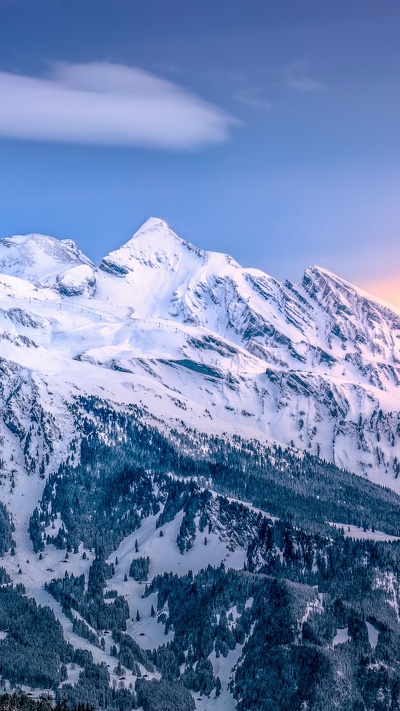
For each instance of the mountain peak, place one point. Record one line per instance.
(38, 257)
(318, 279)
(153, 224)
(156, 231)
(314, 271)
(153, 244)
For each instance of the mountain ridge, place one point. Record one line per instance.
(189, 459)
(160, 228)
(313, 365)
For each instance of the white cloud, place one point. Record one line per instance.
(297, 78)
(109, 104)
(294, 76)
(253, 96)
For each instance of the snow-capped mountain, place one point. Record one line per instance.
(162, 417)
(196, 338)
(38, 258)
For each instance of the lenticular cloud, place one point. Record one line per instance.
(110, 104)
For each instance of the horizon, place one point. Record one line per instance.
(269, 133)
(391, 289)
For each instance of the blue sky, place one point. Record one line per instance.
(267, 129)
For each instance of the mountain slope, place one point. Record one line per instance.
(174, 420)
(193, 335)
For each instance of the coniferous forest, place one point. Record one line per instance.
(309, 621)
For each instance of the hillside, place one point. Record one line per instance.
(198, 481)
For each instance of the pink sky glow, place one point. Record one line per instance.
(386, 289)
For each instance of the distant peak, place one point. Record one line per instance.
(154, 222)
(153, 244)
(314, 269)
(38, 258)
(154, 231)
(319, 275)
(320, 283)
(155, 226)
(46, 243)
(25, 239)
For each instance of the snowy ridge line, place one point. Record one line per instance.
(192, 337)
